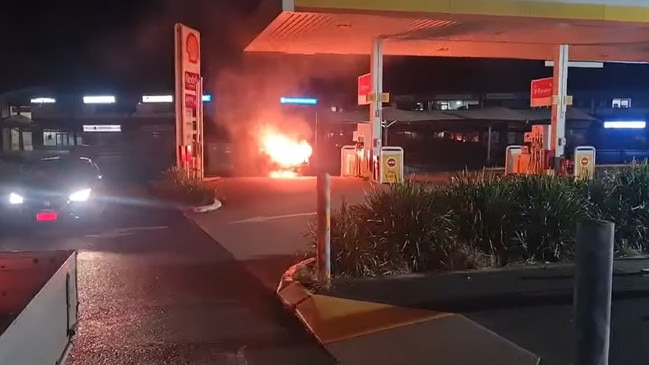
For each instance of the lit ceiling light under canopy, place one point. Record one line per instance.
(100, 99)
(157, 98)
(625, 124)
(102, 128)
(43, 101)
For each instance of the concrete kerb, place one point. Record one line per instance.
(215, 205)
(341, 324)
(290, 291)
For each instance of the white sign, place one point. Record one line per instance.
(102, 128)
(157, 98)
(102, 99)
(43, 101)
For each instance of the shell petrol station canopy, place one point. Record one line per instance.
(596, 30)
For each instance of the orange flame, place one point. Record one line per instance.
(283, 174)
(285, 151)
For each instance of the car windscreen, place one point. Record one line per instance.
(61, 168)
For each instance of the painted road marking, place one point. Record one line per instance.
(121, 232)
(265, 219)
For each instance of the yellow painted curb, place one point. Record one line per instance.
(333, 319)
(293, 294)
(337, 323)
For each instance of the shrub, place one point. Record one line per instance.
(548, 209)
(355, 252)
(622, 196)
(409, 221)
(406, 228)
(479, 220)
(517, 219)
(176, 185)
(480, 206)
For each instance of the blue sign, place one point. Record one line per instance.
(301, 101)
(207, 98)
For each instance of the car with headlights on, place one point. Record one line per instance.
(63, 188)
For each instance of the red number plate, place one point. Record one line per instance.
(46, 216)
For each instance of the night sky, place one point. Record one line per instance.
(126, 46)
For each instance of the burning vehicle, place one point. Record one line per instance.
(284, 155)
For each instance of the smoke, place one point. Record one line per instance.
(248, 95)
(246, 87)
(141, 51)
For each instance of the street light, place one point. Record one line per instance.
(305, 101)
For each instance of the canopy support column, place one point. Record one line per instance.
(376, 106)
(559, 103)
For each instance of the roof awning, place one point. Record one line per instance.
(459, 28)
(394, 114)
(544, 114)
(343, 117)
(17, 121)
(495, 114)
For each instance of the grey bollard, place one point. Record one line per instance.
(593, 287)
(323, 251)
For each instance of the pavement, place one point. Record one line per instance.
(501, 317)
(263, 221)
(531, 307)
(155, 289)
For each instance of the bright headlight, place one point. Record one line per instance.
(80, 196)
(15, 199)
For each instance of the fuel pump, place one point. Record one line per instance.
(360, 152)
(536, 157)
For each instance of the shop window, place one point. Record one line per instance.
(622, 103)
(53, 138)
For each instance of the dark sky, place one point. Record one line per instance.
(127, 45)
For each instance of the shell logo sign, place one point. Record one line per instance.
(192, 47)
(189, 109)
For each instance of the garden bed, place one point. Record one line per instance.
(176, 186)
(479, 220)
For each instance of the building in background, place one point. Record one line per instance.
(450, 131)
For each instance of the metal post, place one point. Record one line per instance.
(593, 285)
(386, 131)
(385, 135)
(376, 106)
(316, 146)
(489, 146)
(560, 93)
(178, 104)
(324, 229)
(200, 141)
